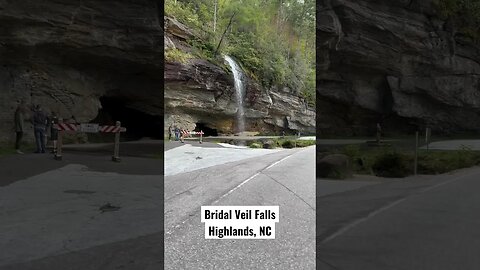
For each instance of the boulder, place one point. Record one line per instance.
(269, 144)
(335, 166)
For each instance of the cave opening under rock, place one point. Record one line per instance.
(139, 124)
(208, 131)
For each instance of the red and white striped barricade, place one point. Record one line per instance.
(186, 133)
(67, 127)
(88, 128)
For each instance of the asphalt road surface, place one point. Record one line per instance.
(454, 145)
(53, 214)
(284, 178)
(424, 223)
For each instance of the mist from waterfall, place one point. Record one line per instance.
(239, 91)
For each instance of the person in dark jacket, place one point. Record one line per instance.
(40, 122)
(177, 133)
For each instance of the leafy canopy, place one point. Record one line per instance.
(465, 15)
(274, 40)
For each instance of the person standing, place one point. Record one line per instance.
(19, 125)
(170, 131)
(177, 133)
(53, 121)
(39, 127)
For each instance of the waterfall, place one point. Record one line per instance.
(239, 90)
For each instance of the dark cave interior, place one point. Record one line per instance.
(139, 124)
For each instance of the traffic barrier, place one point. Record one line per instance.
(66, 127)
(88, 128)
(189, 133)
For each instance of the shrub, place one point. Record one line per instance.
(336, 166)
(288, 144)
(269, 144)
(183, 12)
(305, 143)
(391, 164)
(176, 55)
(255, 145)
(437, 162)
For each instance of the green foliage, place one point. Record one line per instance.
(183, 12)
(390, 162)
(465, 15)
(203, 49)
(305, 143)
(273, 40)
(255, 145)
(175, 55)
(288, 144)
(436, 162)
(6, 149)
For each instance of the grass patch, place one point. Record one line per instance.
(6, 150)
(9, 149)
(437, 162)
(176, 55)
(305, 143)
(395, 162)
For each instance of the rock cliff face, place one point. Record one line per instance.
(201, 94)
(69, 55)
(393, 62)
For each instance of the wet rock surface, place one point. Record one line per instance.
(199, 91)
(394, 63)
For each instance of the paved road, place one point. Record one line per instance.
(188, 158)
(18, 167)
(289, 183)
(174, 144)
(141, 148)
(426, 222)
(454, 145)
(51, 217)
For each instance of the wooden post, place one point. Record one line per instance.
(116, 148)
(416, 154)
(427, 137)
(58, 154)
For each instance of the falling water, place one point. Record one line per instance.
(238, 76)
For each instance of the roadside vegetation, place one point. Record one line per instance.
(393, 162)
(9, 149)
(273, 40)
(280, 143)
(6, 149)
